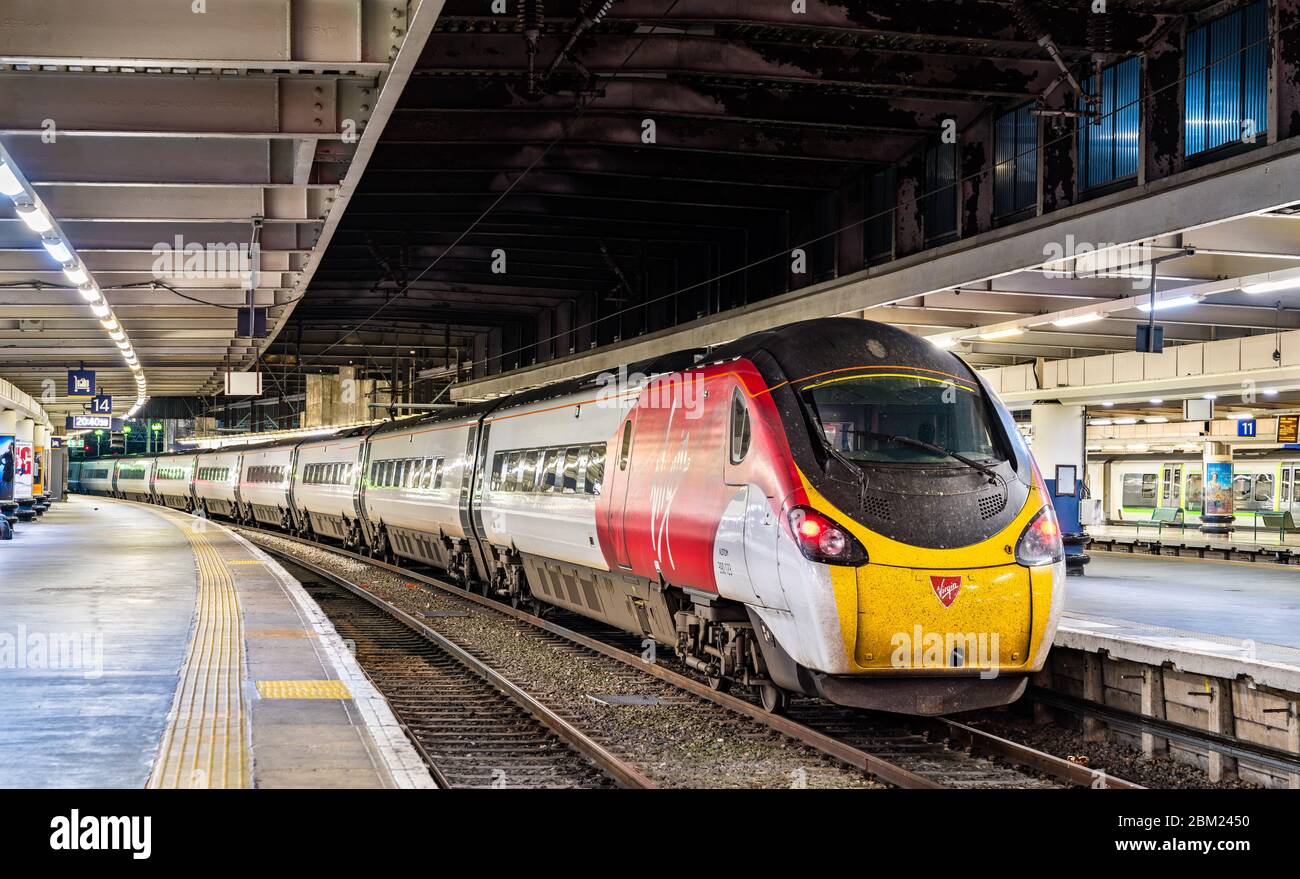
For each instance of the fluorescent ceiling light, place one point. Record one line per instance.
(89, 292)
(1002, 334)
(1108, 404)
(1176, 302)
(1155, 401)
(10, 185)
(110, 324)
(99, 309)
(1126, 421)
(1270, 392)
(1240, 416)
(1273, 285)
(36, 220)
(76, 274)
(116, 335)
(943, 343)
(1156, 419)
(1100, 422)
(57, 249)
(1076, 319)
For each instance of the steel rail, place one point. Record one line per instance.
(971, 737)
(621, 771)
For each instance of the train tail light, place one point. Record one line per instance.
(1040, 544)
(820, 539)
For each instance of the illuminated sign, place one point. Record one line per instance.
(1288, 429)
(88, 422)
(81, 383)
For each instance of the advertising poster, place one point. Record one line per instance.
(1218, 488)
(24, 469)
(7, 464)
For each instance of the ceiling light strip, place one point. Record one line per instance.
(38, 218)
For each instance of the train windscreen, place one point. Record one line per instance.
(902, 418)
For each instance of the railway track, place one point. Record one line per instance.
(472, 727)
(925, 753)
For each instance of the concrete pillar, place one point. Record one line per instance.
(1059, 443)
(1216, 482)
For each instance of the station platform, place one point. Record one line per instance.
(144, 647)
(1242, 539)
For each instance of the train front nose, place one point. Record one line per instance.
(917, 619)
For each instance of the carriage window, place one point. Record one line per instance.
(432, 466)
(1194, 492)
(548, 470)
(511, 482)
(596, 467)
(1140, 490)
(569, 471)
(626, 449)
(1241, 488)
(415, 473)
(528, 471)
(1286, 485)
(739, 428)
(1264, 488)
(498, 466)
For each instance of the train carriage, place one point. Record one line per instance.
(1133, 486)
(325, 485)
(96, 476)
(216, 482)
(173, 480)
(265, 472)
(415, 493)
(134, 478)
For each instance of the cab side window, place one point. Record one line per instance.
(740, 430)
(625, 449)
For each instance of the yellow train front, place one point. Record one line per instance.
(919, 555)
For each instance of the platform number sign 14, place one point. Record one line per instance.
(102, 405)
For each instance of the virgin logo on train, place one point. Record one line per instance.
(946, 588)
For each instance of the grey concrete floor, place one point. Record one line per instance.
(119, 583)
(1254, 601)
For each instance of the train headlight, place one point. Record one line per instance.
(1040, 544)
(821, 539)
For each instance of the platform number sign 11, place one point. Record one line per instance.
(102, 405)
(1246, 427)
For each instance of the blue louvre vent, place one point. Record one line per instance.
(1108, 144)
(1226, 96)
(1015, 157)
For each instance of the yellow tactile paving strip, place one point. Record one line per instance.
(205, 744)
(303, 690)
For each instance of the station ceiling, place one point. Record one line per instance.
(524, 133)
(521, 133)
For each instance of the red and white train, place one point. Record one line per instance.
(833, 508)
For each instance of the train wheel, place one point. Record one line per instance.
(719, 683)
(775, 700)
